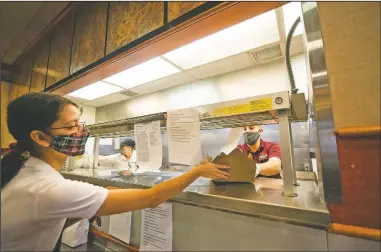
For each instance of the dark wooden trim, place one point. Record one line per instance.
(194, 12)
(110, 238)
(71, 48)
(47, 64)
(31, 71)
(107, 18)
(165, 12)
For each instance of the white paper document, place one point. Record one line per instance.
(156, 232)
(120, 226)
(149, 147)
(117, 143)
(184, 141)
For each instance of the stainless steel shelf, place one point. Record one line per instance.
(126, 127)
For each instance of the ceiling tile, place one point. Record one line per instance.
(164, 83)
(105, 100)
(229, 64)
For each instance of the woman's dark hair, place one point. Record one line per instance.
(33, 111)
(127, 142)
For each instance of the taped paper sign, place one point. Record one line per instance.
(252, 106)
(261, 105)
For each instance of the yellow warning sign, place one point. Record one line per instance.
(261, 105)
(231, 110)
(252, 106)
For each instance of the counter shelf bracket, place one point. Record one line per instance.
(96, 152)
(289, 174)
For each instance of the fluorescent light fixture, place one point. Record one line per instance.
(252, 33)
(291, 12)
(148, 71)
(96, 90)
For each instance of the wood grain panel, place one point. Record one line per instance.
(89, 35)
(23, 70)
(351, 36)
(130, 20)
(6, 137)
(40, 64)
(122, 27)
(13, 89)
(59, 59)
(176, 9)
(22, 90)
(150, 16)
(360, 167)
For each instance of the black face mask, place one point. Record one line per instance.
(251, 137)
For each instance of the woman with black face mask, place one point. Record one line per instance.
(36, 200)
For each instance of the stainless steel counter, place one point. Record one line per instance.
(261, 199)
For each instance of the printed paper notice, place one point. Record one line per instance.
(156, 232)
(120, 226)
(149, 147)
(184, 141)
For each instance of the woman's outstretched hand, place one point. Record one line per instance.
(213, 171)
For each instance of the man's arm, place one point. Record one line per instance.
(274, 164)
(271, 167)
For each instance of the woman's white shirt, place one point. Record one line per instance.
(36, 203)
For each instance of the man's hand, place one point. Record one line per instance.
(125, 173)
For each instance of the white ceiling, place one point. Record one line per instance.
(21, 23)
(259, 36)
(219, 67)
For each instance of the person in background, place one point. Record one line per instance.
(126, 152)
(36, 200)
(266, 154)
(124, 161)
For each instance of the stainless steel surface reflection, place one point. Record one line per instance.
(327, 157)
(261, 199)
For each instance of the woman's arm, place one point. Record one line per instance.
(126, 200)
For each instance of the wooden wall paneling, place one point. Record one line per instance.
(178, 8)
(40, 64)
(122, 27)
(351, 36)
(6, 137)
(23, 70)
(60, 51)
(360, 168)
(129, 21)
(22, 90)
(150, 16)
(89, 35)
(12, 94)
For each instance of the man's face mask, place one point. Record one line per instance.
(72, 145)
(251, 137)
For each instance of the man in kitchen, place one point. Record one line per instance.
(266, 154)
(124, 161)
